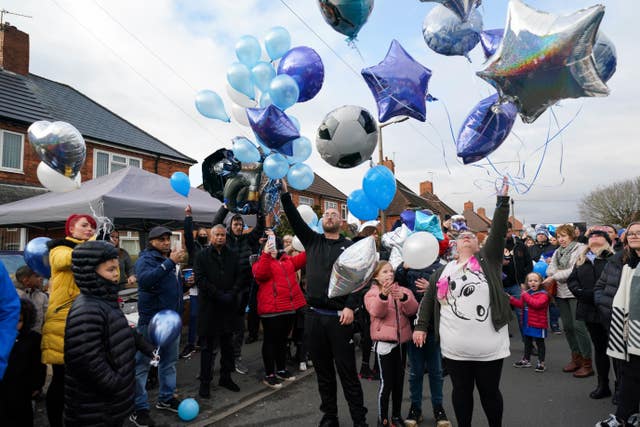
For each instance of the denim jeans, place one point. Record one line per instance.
(554, 316)
(515, 291)
(166, 372)
(193, 319)
(428, 354)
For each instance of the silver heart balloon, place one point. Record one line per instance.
(353, 268)
(59, 145)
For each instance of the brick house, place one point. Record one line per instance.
(479, 222)
(322, 195)
(112, 142)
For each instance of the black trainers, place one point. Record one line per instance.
(205, 390)
(187, 352)
(540, 368)
(141, 418)
(397, 422)
(610, 421)
(170, 405)
(241, 368)
(441, 417)
(285, 375)
(365, 372)
(329, 421)
(414, 417)
(229, 384)
(272, 381)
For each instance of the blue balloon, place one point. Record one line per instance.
(273, 127)
(164, 327)
(36, 255)
(490, 41)
(552, 230)
(295, 121)
(244, 150)
(275, 166)
(263, 146)
(239, 77)
(262, 73)
(346, 16)
(277, 42)
(265, 100)
(399, 85)
(301, 148)
(605, 57)
(445, 33)
(429, 223)
(485, 129)
(300, 176)
(540, 267)
(360, 206)
(188, 409)
(180, 183)
(248, 51)
(305, 66)
(284, 91)
(379, 185)
(209, 104)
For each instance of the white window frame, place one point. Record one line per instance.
(2, 168)
(304, 200)
(344, 211)
(111, 154)
(330, 204)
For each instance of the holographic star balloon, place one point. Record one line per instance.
(462, 8)
(544, 58)
(399, 84)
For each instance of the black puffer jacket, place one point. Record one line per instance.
(582, 283)
(607, 286)
(99, 350)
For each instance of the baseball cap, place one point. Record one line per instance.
(158, 231)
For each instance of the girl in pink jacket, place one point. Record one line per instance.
(390, 307)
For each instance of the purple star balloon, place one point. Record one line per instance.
(490, 41)
(399, 84)
(274, 128)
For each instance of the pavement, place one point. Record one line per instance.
(552, 398)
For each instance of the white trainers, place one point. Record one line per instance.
(611, 421)
(303, 366)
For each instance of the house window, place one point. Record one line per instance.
(343, 210)
(106, 163)
(330, 205)
(302, 200)
(11, 145)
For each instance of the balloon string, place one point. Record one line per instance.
(351, 42)
(105, 225)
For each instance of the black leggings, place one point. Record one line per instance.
(629, 393)
(55, 396)
(528, 346)
(600, 339)
(274, 345)
(466, 374)
(391, 381)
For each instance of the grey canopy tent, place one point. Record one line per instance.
(132, 198)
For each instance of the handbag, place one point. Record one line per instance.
(552, 288)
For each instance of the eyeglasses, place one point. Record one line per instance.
(634, 234)
(331, 215)
(469, 236)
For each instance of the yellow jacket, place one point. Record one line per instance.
(63, 291)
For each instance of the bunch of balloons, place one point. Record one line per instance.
(62, 150)
(377, 193)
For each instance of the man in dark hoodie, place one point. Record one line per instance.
(328, 324)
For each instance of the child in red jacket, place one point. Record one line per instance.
(391, 307)
(535, 304)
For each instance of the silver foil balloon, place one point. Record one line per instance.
(462, 8)
(353, 268)
(544, 58)
(447, 34)
(59, 145)
(164, 327)
(395, 238)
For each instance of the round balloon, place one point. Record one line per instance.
(379, 185)
(301, 148)
(297, 244)
(295, 122)
(244, 150)
(360, 206)
(284, 91)
(420, 250)
(275, 166)
(248, 50)
(36, 255)
(277, 42)
(265, 100)
(239, 77)
(308, 214)
(188, 409)
(347, 136)
(262, 73)
(210, 105)
(180, 183)
(300, 176)
(164, 327)
(346, 16)
(239, 114)
(540, 267)
(239, 98)
(445, 33)
(305, 66)
(59, 145)
(56, 182)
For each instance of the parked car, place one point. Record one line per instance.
(12, 260)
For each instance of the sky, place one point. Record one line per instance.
(146, 60)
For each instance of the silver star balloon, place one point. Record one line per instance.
(462, 8)
(544, 58)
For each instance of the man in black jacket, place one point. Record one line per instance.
(328, 324)
(217, 278)
(515, 267)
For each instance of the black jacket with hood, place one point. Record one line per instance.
(607, 285)
(582, 283)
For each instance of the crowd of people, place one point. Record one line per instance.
(448, 318)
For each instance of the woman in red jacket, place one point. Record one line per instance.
(279, 296)
(535, 304)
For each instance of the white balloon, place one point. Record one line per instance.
(54, 181)
(307, 214)
(239, 114)
(297, 244)
(240, 98)
(420, 250)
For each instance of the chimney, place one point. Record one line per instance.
(389, 164)
(426, 187)
(14, 50)
(482, 212)
(468, 206)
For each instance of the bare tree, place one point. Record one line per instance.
(617, 204)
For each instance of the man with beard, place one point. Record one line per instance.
(328, 323)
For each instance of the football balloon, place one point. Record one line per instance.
(347, 136)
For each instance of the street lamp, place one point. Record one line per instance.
(383, 217)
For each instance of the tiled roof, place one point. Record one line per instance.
(12, 193)
(475, 222)
(26, 99)
(405, 198)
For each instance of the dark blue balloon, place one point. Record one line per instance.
(346, 16)
(379, 185)
(272, 126)
(490, 41)
(605, 57)
(409, 218)
(360, 206)
(305, 66)
(399, 84)
(485, 129)
(164, 327)
(36, 255)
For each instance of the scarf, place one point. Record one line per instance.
(451, 269)
(624, 333)
(564, 255)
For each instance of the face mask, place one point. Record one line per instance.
(203, 240)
